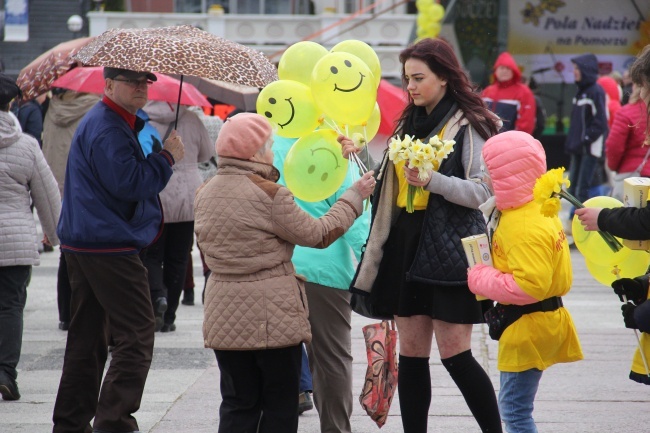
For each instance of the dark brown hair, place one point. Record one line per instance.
(439, 56)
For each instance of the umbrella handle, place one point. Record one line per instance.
(178, 104)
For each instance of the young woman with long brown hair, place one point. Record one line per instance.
(414, 267)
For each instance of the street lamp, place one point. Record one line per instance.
(75, 24)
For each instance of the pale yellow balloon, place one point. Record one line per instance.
(368, 129)
(299, 60)
(436, 12)
(434, 29)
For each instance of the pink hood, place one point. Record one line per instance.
(514, 161)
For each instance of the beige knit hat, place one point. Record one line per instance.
(242, 135)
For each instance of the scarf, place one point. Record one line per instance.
(421, 125)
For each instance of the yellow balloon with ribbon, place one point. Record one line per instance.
(290, 108)
(601, 261)
(299, 60)
(314, 167)
(344, 88)
(362, 51)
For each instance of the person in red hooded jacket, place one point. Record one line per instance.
(509, 98)
(613, 96)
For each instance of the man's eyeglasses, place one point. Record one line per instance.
(134, 83)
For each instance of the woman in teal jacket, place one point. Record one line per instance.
(328, 273)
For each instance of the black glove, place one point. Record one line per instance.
(628, 315)
(635, 289)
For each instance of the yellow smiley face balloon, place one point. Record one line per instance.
(344, 88)
(362, 51)
(290, 108)
(314, 168)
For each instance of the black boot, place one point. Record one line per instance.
(159, 308)
(188, 297)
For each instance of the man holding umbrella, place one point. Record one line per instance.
(110, 212)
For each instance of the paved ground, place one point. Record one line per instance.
(182, 392)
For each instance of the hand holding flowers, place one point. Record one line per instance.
(420, 159)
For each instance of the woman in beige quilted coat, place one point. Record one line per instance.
(255, 305)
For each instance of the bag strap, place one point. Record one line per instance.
(645, 159)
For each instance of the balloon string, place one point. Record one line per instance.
(365, 139)
(355, 157)
(617, 272)
(361, 165)
(332, 125)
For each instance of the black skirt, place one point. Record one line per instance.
(393, 294)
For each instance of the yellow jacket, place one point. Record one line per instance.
(531, 259)
(534, 250)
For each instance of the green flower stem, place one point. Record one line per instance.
(410, 193)
(571, 199)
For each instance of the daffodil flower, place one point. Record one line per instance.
(425, 157)
(549, 189)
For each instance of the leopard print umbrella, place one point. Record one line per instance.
(37, 77)
(181, 50)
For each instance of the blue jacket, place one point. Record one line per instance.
(335, 265)
(148, 136)
(110, 203)
(589, 113)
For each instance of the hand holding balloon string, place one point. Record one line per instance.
(356, 148)
(622, 286)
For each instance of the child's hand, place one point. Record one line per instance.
(588, 217)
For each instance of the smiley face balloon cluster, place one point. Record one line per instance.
(322, 90)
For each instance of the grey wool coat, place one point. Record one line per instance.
(24, 177)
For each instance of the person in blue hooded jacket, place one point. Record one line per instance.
(329, 273)
(110, 211)
(149, 137)
(585, 140)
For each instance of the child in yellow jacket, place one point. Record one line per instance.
(532, 271)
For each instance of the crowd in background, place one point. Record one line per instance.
(430, 299)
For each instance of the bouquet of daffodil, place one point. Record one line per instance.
(423, 156)
(549, 189)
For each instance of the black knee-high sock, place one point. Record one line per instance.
(414, 388)
(476, 387)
